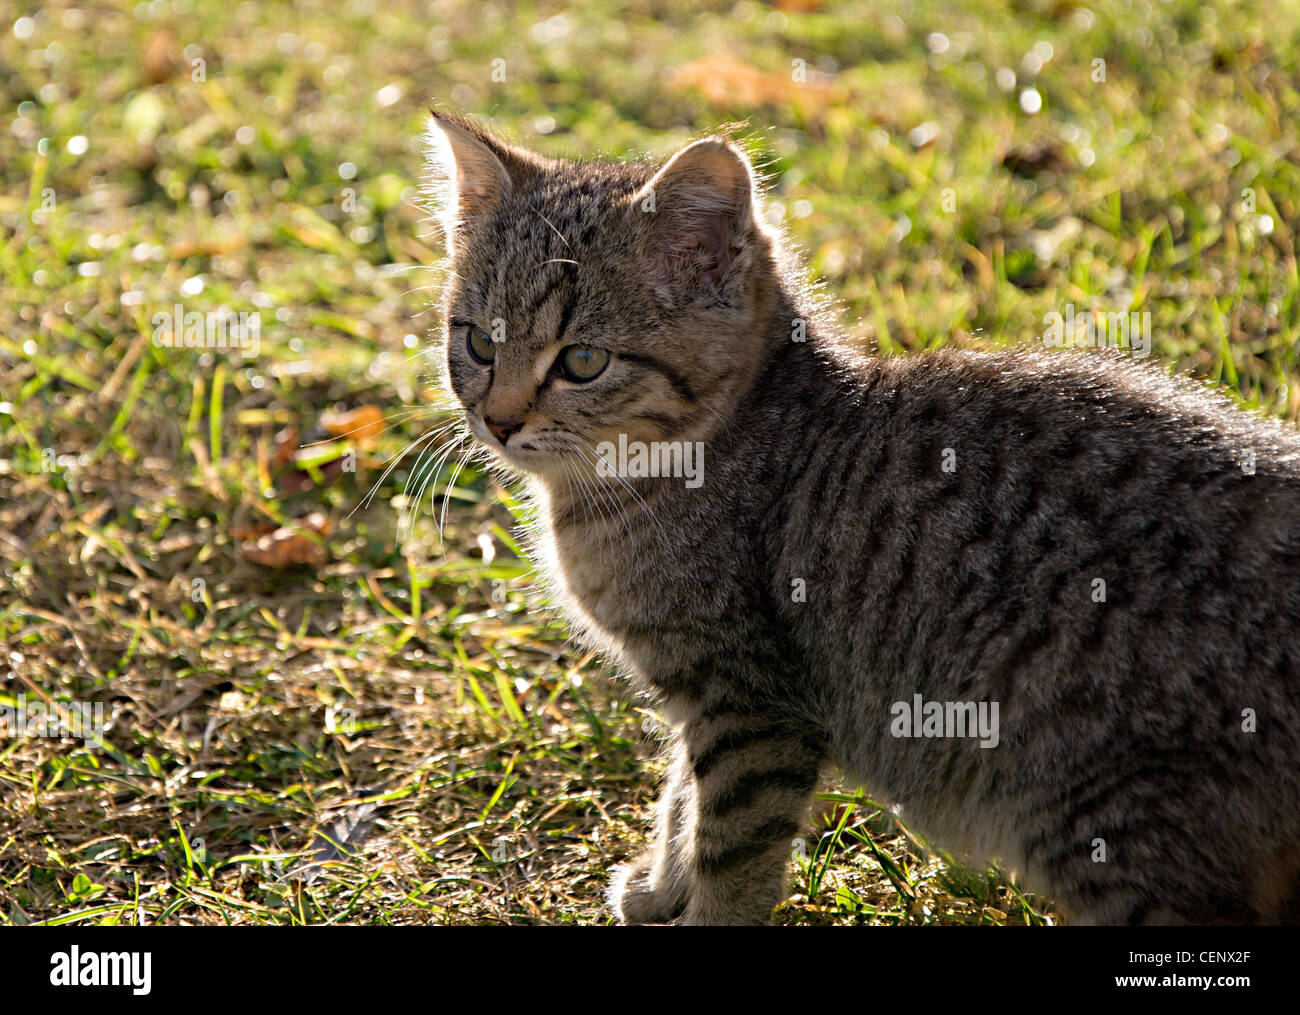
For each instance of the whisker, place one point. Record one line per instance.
(551, 224)
(406, 526)
(623, 481)
(446, 498)
(365, 501)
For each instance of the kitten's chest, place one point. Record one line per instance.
(642, 592)
(617, 585)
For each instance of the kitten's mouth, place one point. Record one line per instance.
(525, 455)
(518, 451)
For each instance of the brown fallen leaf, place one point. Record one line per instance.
(726, 81)
(160, 58)
(253, 532)
(362, 426)
(291, 545)
(217, 247)
(286, 443)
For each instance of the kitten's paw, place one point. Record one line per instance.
(635, 899)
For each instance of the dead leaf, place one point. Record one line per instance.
(218, 247)
(291, 545)
(286, 443)
(253, 532)
(726, 81)
(160, 58)
(362, 426)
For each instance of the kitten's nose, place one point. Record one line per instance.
(502, 428)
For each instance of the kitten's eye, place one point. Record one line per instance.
(480, 345)
(583, 362)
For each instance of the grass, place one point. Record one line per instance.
(398, 731)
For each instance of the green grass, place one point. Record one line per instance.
(402, 733)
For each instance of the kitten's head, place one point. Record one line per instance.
(589, 300)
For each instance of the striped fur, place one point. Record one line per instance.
(1123, 721)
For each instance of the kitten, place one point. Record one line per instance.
(1047, 603)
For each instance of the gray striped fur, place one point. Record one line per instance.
(1121, 721)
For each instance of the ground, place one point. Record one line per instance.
(350, 722)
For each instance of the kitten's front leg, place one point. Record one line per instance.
(754, 778)
(653, 887)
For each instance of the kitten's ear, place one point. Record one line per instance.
(701, 206)
(470, 170)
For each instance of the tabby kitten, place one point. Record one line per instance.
(1046, 603)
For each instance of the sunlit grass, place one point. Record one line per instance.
(403, 733)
